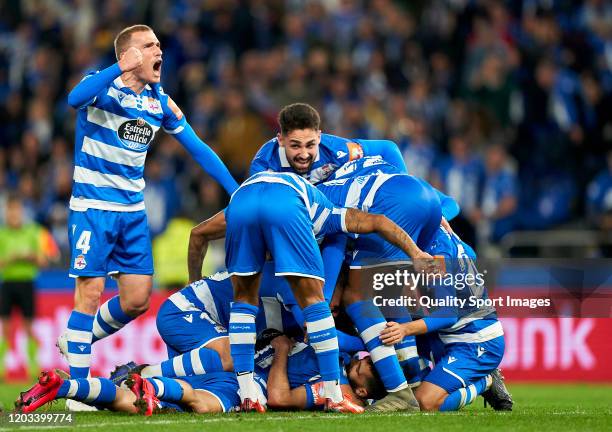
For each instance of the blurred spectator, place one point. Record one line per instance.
(499, 201)
(418, 149)
(161, 196)
(460, 175)
(418, 73)
(240, 134)
(599, 202)
(170, 255)
(21, 256)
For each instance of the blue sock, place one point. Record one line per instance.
(322, 337)
(242, 334)
(465, 395)
(90, 390)
(370, 322)
(110, 318)
(195, 362)
(79, 337)
(167, 389)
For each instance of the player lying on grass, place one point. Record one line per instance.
(466, 344)
(193, 324)
(211, 393)
(293, 380)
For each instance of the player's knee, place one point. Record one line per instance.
(227, 362)
(428, 402)
(277, 399)
(136, 307)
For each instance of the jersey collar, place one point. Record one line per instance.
(118, 82)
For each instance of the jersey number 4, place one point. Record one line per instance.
(83, 242)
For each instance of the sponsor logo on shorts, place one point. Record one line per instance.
(80, 263)
(451, 359)
(136, 134)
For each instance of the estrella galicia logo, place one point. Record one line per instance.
(136, 134)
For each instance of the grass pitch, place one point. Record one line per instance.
(537, 407)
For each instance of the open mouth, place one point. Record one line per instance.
(157, 66)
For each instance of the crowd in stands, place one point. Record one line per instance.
(505, 105)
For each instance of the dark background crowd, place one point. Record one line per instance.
(505, 105)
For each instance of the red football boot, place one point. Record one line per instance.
(146, 401)
(41, 393)
(346, 405)
(249, 405)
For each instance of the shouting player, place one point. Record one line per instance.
(119, 111)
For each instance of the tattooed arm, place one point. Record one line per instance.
(211, 229)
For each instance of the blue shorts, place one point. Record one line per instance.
(464, 363)
(270, 217)
(412, 205)
(222, 385)
(104, 242)
(184, 331)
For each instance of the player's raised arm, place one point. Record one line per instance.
(85, 91)
(359, 222)
(210, 229)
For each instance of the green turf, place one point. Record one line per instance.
(537, 407)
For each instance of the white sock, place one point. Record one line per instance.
(247, 386)
(332, 391)
(151, 371)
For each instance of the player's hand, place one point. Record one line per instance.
(423, 262)
(130, 60)
(393, 334)
(281, 343)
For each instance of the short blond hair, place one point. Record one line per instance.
(122, 40)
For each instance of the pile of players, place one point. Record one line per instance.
(304, 235)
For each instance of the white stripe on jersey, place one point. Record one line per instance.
(299, 187)
(181, 302)
(109, 120)
(202, 292)
(98, 179)
(82, 204)
(369, 199)
(174, 131)
(113, 154)
(318, 224)
(486, 334)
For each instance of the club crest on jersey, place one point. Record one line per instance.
(355, 151)
(136, 134)
(80, 263)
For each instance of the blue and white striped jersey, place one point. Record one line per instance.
(354, 185)
(325, 217)
(113, 133)
(473, 325)
(215, 294)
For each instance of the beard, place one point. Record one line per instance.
(302, 167)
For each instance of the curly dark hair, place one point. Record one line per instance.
(298, 116)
